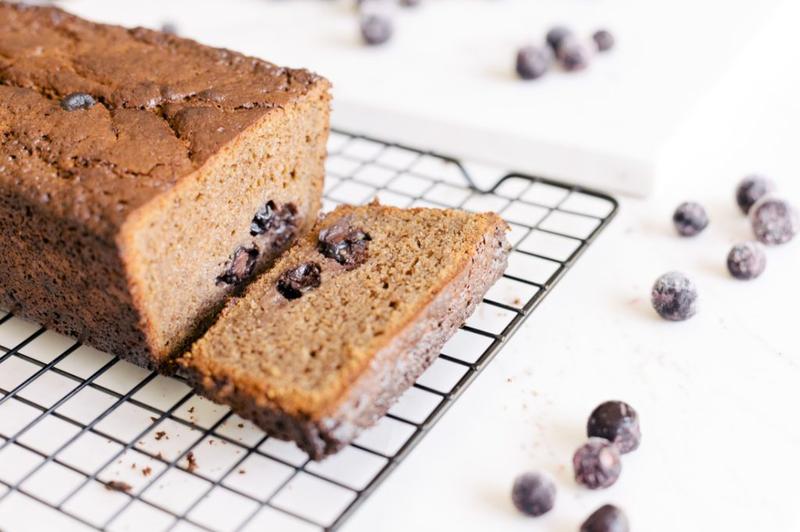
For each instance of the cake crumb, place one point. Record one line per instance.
(160, 434)
(191, 410)
(240, 425)
(153, 419)
(242, 471)
(147, 471)
(117, 485)
(192, 462)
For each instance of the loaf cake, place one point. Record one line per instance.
(322, 344)
(144, 178)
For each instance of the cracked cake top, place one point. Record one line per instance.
(95, 120)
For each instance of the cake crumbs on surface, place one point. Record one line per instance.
(191, 410)
(133, 465)
(118, 485)
(240, 425)
(153, 419)
(191, 461)
(160, 456)
(242, 471)
(161, 434)
(147, 471)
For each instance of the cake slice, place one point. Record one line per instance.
(145, 177)
(321, 345)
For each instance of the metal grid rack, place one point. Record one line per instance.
(73, 419)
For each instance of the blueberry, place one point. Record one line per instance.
(376, 29)
(240, 266)
(345, 244)
(618, 423)
(77, 100)
(774, 221)
(533, 494)
(690, 218)
(295, 282)
(751, 189)
(572, 55)
(607, 518)
(747, 260)
(556, 36)
(170, 28)
(275, 223)
(532, 62)
(597, 464)
(674, 297)
(603, 39)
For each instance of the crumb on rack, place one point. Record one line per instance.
(192, 462)
(117, 485)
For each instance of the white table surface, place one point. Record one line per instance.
(717, 395)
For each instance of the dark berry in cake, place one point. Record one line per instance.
(556, 36)
(77, 100)
(597, 464)
(240, 266)
(603, 40)
(572, 55)
(690, 218)
(747, 260)
(674, 297)
(532, 62)
(607, 518)
(276, 224)
(345, 244)
(533, 494)
(376, 28)
(618, 423)
(751, 189)
(295, 282)
(774, 221)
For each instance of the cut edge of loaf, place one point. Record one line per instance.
(278, 158)
(392, 369)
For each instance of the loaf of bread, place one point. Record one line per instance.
(322, 344)
(144, 177)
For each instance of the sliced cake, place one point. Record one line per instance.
(145, 177)
(322, 344)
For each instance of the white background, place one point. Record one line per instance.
(717, 395)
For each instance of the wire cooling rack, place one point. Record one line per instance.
(73, 419)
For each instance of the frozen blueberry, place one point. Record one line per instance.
(532, 62)
(618, 423)
(376, 29)
(77, 100)
(170, 28)
(597, 464)
(690, 218)
(533, 494)
(240, 266)
(556, 36)
(674, 297)
(747, 260)
(346, 245)
(603, 39)
(572, 55)
(774, 221)
(295, 282)
(607, 518)
(751, 189)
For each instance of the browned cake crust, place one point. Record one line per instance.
(120, 219)
(321, 375)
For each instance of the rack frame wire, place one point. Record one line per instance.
(408, 176)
